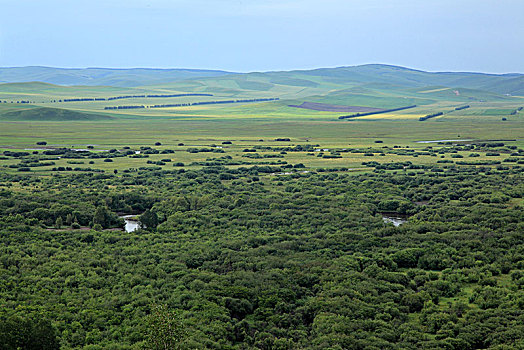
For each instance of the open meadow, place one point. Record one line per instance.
(208, 111)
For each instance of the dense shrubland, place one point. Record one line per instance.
(240, 259)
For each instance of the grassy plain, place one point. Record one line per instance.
(246, 133)
(246, 124)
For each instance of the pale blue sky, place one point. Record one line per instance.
(261, 35)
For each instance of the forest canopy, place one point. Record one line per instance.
(258, 261)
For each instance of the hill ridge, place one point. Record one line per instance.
(507, 83)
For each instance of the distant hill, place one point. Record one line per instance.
(287, 84)
(102, 76)
(49, 114)
(377, 76)
(31, 87)
(378, 73)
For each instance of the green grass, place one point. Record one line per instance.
(87, 123)
(50, 114)
(246, 133)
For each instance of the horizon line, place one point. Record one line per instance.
(265, 71)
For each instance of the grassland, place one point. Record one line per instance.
(78, 124)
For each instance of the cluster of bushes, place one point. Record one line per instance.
(125, 107)
(478, 162)
(15, 154)
(30, 163)
(204, 150)
(262, 156)
(158, 162)
(296, 148)
(67, 168)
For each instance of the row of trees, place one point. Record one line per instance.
(376, 112)
(197, 103)
(429, 116)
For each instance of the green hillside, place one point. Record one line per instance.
(317, 78)
(224, 95)
(49, 114)
(102, 76)
(499, 83)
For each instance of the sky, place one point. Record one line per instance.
(262, 35)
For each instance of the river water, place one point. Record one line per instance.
(396, 221)
(131, 223)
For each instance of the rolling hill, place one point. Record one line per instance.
(377, 73)
(322, 78)
(368, 86)
(49, 114)
(102, 76)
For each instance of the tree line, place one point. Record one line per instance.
(377, 112)
(88, 99)
(198, 103)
